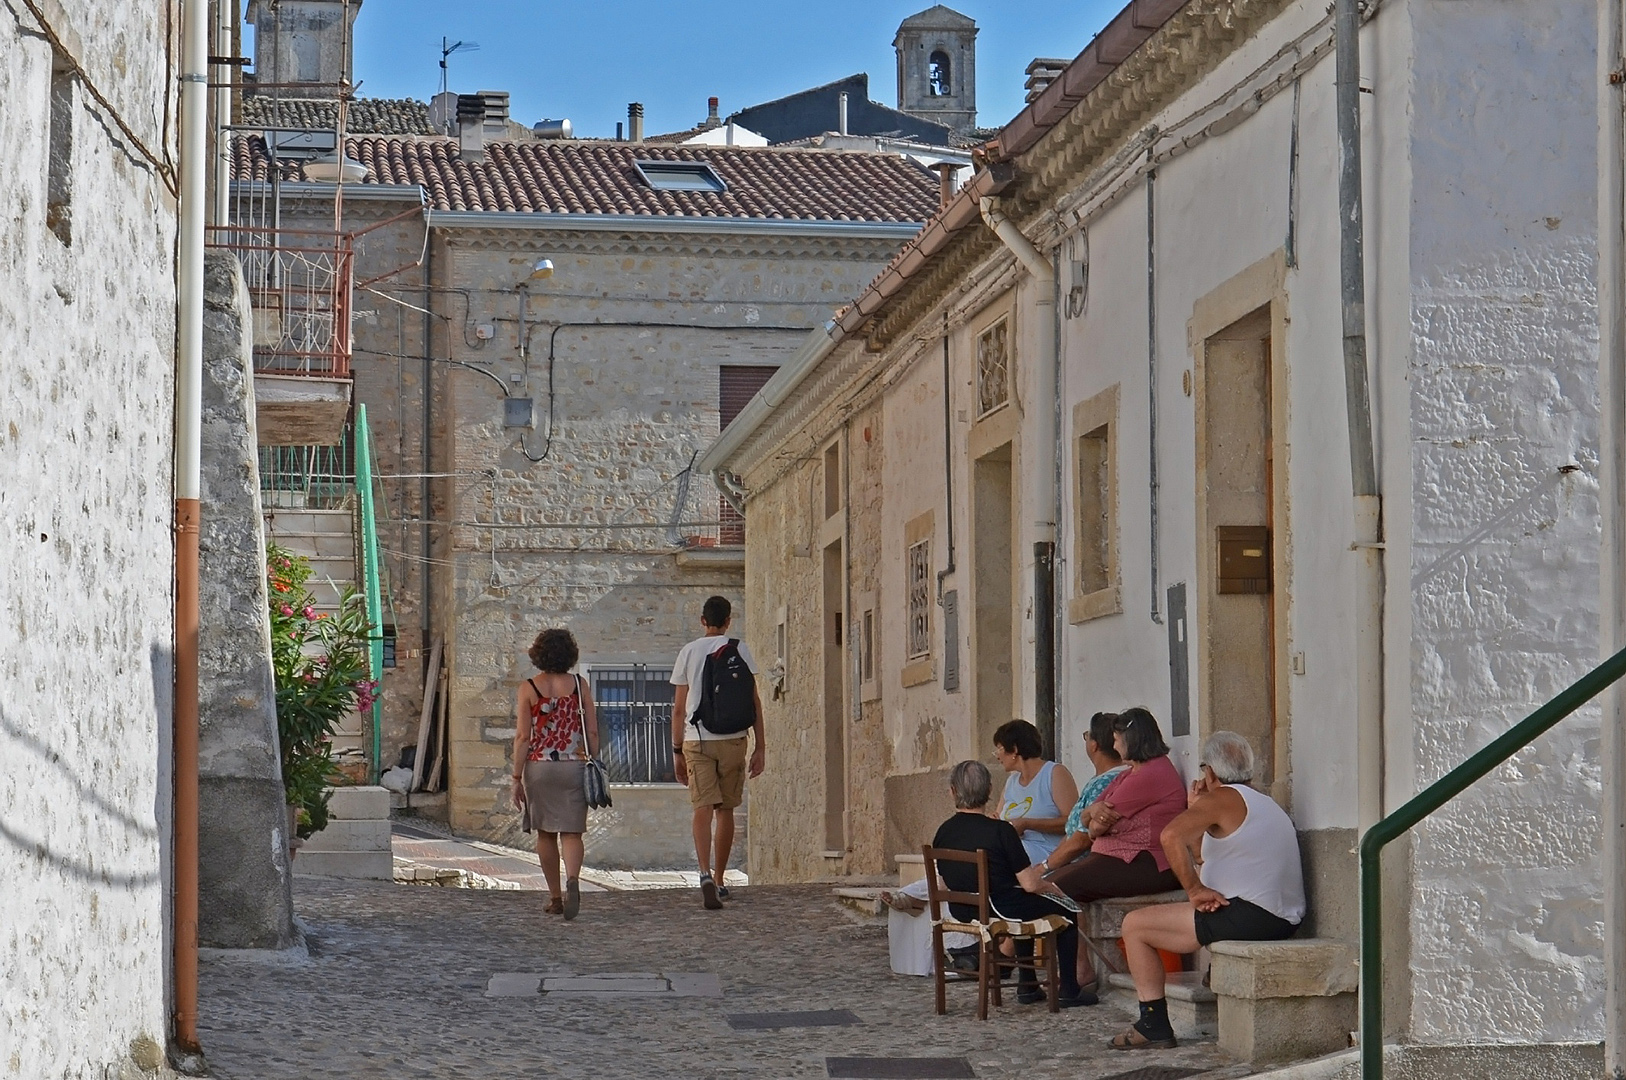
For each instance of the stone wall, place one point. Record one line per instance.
(245, 899)
(627, 336)
(87, 316)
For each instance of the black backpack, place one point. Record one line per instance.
(727, 692)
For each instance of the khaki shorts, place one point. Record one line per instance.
(716, 771)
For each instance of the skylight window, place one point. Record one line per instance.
(681, 176)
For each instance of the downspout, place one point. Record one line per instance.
(1041, 472)
(1368, 505)
(194, 170)
(1368, 543)
(225, 78)
(1152, 481)
(1612, 362)
(948, 463)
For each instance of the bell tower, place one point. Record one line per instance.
(937, 67)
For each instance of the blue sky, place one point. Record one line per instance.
(585, 61)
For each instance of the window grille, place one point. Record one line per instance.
(635, 723)
(920, 600)
(993, 367)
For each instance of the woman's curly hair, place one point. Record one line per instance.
(554, 651)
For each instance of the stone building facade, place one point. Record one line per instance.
(535, 436)
(87, 325)
(1177, 187)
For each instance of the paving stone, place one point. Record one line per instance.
(589, 984)
(514, 984)
(394, 988)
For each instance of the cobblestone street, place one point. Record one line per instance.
(396, 978)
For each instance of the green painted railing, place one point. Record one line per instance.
(307, 477)
(367, 532)
(1423, 804)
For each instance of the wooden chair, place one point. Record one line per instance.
(988, 928)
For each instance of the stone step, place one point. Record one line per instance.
(1193, 1008)
(378, 865)
(315, 544)
(328, 522)
(362, 802)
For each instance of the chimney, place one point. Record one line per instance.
(712, 119)
(620, 132)
(841, 113)
(471, 124)
(1041, 73)
(945, 171)
(635, 122)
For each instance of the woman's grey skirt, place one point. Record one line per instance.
(555, 800)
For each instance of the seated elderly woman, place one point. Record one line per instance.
(1250, 886)
(971, 829)
(1121, 828)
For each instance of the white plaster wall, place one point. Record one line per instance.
(1505, 549)
(1479, 155)
(86, 332)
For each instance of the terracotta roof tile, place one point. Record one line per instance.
(588, 177)
(385, 116)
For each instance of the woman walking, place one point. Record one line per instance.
(555, 732)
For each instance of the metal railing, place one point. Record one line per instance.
(634, 707)
(367, 534)
(1421, 806)
(308, 477)
(299, 282)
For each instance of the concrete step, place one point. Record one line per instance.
(362, 802)
(1193, 1008)
(310, 521)
(378, 865)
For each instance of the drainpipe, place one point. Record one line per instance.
(1040, 471)
(1612, 364)
(194, 170)
(1368, 543)
(1368, 505)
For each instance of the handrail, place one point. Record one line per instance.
(1421, 806)
(369, 572)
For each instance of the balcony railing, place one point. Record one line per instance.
(299, 281)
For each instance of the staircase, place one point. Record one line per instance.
(327, 538)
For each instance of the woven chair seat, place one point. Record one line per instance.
(1023, 928)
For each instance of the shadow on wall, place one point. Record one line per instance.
(20, 745)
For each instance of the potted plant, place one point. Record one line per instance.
(320, 662)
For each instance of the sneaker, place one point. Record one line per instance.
(1080, 999)
(722, 892)
(573, 899)
(708, 893)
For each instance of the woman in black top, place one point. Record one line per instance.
(971, 829)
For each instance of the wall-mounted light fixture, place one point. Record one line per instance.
(541, 270)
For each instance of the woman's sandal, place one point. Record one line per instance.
(899, 901)
(556, 906)
(1130, 1038)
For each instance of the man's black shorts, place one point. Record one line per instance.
(1241, 921)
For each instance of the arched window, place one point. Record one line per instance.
(938, 74)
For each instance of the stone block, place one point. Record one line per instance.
(378, 865)
(357, 836)
(1253, 970)
(1261, 1030)
(1104, 919)
(360, 803)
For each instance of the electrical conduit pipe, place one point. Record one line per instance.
(1612, 370)
(1038, 466)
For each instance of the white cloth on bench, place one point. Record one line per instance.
(909, 937)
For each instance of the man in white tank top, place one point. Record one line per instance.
(1250, 885)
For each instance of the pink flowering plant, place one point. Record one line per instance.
(320, 661)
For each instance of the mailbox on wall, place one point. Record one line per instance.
(1244, 559)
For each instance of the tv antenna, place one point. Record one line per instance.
(446, 50)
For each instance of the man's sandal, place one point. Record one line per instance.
(1130, 1038)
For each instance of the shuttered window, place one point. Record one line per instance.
(737, 384)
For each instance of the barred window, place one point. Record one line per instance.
(920, 599)
(634, 706)
(993, 367)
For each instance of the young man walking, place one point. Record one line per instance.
(714, 708)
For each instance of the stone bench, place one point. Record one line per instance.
(1101, 924)
(1284, 1000)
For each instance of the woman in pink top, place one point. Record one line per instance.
(1124, 827)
